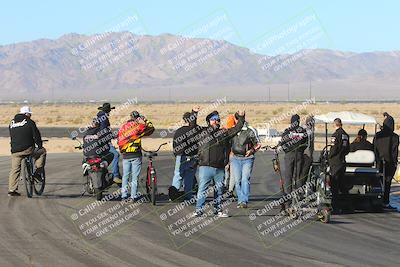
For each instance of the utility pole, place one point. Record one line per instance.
(269, 94)
(288, 91)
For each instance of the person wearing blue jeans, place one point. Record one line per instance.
(213, 147)
(244, 145)
(241, 170)
(185, 149)
(130, 145)
(185, 171)
(115, 164)
(209, 174)
(132, 169)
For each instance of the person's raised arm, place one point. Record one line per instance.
(230, 133)
(193, 116)
(149, 129)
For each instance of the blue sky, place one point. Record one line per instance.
(350, 25)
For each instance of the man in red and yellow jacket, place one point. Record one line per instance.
(130, 146)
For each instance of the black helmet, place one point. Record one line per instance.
(135, 114)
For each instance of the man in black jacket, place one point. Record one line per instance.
(386, 146)
(244, 145)
(96, 142)
(213, 157)
(337, 160)
(293, 143)
(185, 150)
(103, 119)
(24, 135)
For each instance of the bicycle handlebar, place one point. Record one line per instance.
(149, 151)
(269, 147)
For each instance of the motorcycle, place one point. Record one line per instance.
(96, 174)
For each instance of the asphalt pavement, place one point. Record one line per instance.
(63, 228)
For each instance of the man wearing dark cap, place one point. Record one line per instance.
(213, 157)
(105, 130)
(337, 160)
(386, 146)
(185, 149)
(293, 143)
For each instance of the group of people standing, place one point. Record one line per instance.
(129, 139)
(211, 148)
(223, 155)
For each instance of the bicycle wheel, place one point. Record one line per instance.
(39, 183)
(153, 188)
(148, 185)
(28, 180)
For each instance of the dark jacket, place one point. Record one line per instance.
(361, 145)
(186, 138)
(214, 145)
(95, 142)
(293, 139)
(24, 134)
(386, 143)
(245, 140)
(103, 120)
(340, 148)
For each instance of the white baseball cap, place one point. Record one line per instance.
(25, 109)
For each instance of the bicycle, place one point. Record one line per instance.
(151, 175)
(33, 184)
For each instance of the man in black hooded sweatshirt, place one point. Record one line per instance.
(386, 147)
(24, 136)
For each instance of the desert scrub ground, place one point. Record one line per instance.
(169, 115)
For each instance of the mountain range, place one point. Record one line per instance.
(116, 65)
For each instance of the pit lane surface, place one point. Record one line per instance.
(43, 231)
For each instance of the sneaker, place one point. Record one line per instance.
(14, 194)
(197, 213)
(389, 207)
(242, 206)
(222, 214)
(117, 180)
